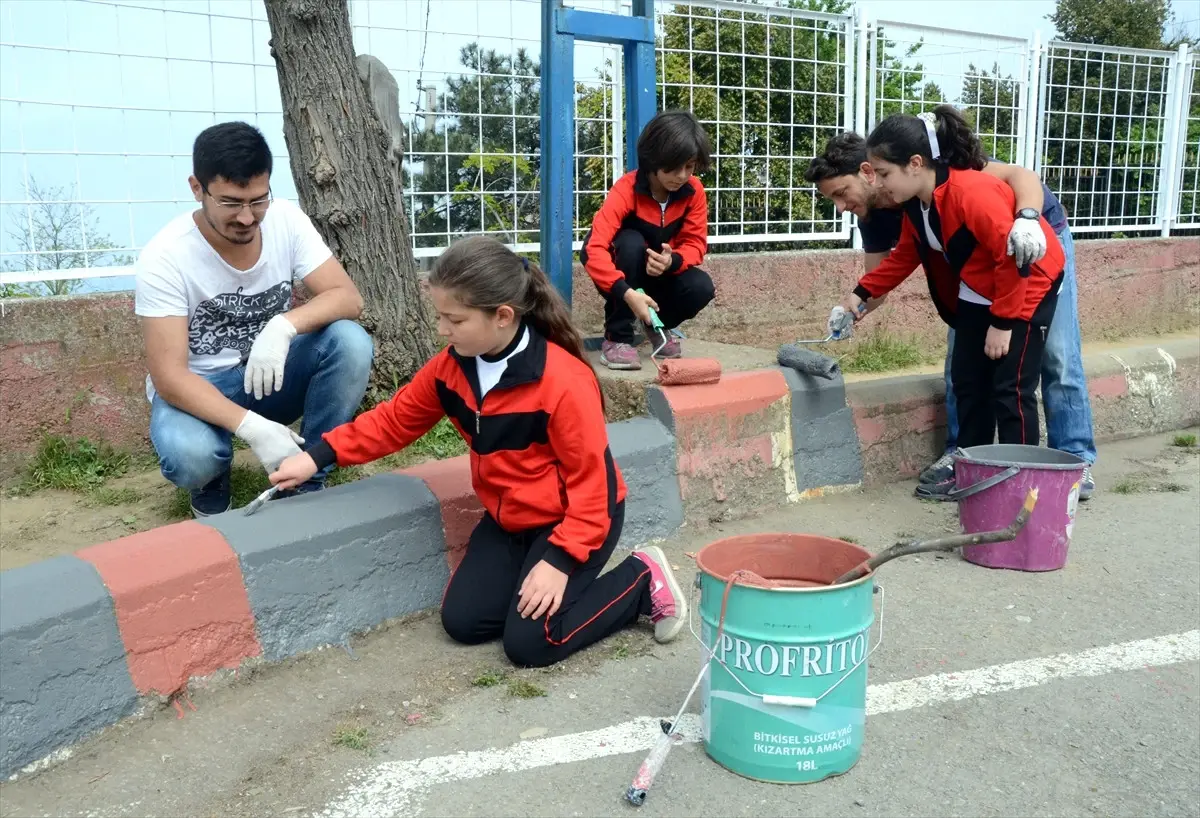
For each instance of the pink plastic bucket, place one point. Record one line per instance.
(990, 485)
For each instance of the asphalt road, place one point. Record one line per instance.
(1074, 692)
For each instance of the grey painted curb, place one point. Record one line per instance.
(320, 567)
(825, 445)
(645, 453)
(62, 660)
(660, 408)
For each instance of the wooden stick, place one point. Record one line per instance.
(944, 543)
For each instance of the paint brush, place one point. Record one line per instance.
(257, 503)
(640, 788)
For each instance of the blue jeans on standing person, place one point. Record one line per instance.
(324, 380)
(1064, 384)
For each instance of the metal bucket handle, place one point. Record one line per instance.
(770, 698)
(983, 485)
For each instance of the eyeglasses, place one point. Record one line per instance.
(234, 206)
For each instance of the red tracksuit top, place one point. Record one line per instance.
(629, 205)
(972, 215)
(538, 441)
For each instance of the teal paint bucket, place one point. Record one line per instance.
(785, 696)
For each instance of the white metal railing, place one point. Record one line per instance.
(91, 166)
(771, 85)
(1187, 195)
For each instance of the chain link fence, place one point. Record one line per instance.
(100, 101)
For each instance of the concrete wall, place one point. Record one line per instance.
(83, 636)
(1127, 287)
(75, 366)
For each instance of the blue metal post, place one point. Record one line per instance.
(640, 84)
(561, 27)
(557, 149)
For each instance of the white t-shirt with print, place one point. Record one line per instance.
(180, 274)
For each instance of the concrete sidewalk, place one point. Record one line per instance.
(1081, 734)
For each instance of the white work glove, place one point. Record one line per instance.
(1026, 241)
(840, 323)
(268, 354)
(271, 442)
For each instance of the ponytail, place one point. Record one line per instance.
(549, 314)
(943, 132)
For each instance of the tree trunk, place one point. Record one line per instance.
(347, 169)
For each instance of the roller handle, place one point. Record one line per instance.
(790, 701)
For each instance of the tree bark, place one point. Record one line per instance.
(347, 168)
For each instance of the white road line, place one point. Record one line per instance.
(398, 788)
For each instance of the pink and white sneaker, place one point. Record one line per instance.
(668, 607)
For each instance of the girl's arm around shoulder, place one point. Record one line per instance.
(978, 201)
(389, 426)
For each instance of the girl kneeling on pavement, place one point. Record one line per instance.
(931, 164)
(516, 386)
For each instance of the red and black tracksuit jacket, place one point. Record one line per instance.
(683, 224)
(538, 442)
(972, 213)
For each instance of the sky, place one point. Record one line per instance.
(91, 103)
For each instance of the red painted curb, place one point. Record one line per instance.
(736, 394)
(180, 602)
(450, 482)
(723, 438)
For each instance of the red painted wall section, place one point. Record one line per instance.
(74, 365)
(450, 482)
(180, 601)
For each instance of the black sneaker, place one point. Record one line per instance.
(935, 491)
(939, 470)
(214, 498)
(1087, 485)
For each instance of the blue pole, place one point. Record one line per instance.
(560, 28)
(640, 81)
(557, 149)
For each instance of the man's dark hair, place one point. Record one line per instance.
(671, 140)
(843, 156)
(232, 150)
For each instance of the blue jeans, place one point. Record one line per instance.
(1064, 385)
(324, 380)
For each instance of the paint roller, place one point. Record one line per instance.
(680, 371)
(807, 362)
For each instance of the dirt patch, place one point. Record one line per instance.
(623, 399)
(52, 522)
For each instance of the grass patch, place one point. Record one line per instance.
(522, 689)
(846, 538)
(344, 475)
(1129, 485)
(245, 483)
(74, 464)
(1137, 484)
(439, 443)
(489, 678)
(1184, 441)
(884, 352)
(107, 496)
(352, 737)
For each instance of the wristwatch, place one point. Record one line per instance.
(1028, 213)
